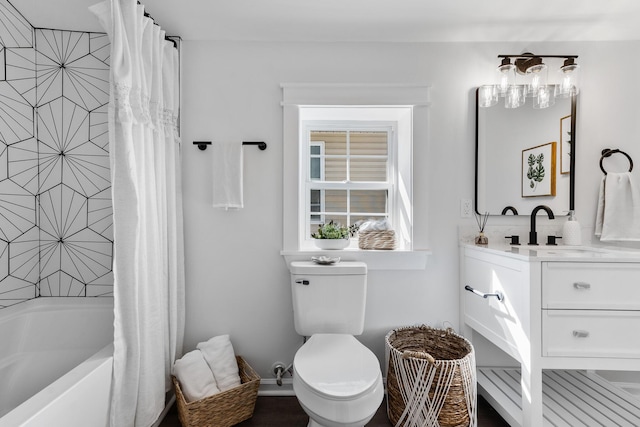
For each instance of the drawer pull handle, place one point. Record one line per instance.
(582, 285)
(580, 334)
(302, 282)
(498, 294)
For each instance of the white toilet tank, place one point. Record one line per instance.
(328, 298)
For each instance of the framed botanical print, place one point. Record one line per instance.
(539, 170)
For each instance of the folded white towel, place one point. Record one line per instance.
(618, 214)
(227, 175)
(219, 354)
(195, 376)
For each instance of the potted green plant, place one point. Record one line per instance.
(333, 235)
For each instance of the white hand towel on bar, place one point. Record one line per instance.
(195, 376)
(618, 214)
(227, 175)
(219, 354)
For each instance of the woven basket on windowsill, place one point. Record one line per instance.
(223, 409)
(385, 239)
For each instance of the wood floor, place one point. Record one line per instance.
(286, 412)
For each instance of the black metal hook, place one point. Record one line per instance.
(607, 152)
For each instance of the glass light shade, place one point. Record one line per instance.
(545, 97)
(528, 92)
(537, 78)
(506, 77)
(569, 80)
(488, 96)
(515, 96)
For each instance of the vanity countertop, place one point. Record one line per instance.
(561, 252)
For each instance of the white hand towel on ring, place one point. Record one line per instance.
(618, 214)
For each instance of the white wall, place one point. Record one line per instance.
(237, 282)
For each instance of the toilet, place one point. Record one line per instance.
(336, 379)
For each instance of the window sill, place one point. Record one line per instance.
(375, 259)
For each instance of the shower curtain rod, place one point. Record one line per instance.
(146, 14)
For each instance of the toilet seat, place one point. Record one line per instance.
(337, 367)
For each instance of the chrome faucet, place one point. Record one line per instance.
(533, 235)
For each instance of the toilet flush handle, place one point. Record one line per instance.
(303, 281)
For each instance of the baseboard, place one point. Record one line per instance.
(269, 387)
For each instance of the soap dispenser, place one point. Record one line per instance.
(571, 233)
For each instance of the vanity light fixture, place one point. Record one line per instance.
(534, 82)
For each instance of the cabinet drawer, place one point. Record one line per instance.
(505, 323)
(613, 286)
(590, 333)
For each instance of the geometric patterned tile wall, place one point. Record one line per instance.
(56, 230)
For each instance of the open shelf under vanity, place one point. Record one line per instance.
(570, 398)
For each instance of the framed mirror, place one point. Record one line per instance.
(525, 157)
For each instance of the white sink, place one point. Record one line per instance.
(560, 251)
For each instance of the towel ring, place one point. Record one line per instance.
(608, 152)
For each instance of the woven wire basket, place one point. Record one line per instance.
(431, 378)
(385, 239)
(223, 409)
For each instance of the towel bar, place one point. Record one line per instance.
(203, 144)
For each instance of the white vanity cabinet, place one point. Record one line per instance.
(591, 310)
(560, 318)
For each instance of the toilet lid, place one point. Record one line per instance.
(337, 366)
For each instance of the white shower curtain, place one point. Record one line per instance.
(144, 150)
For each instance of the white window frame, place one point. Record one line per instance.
(297, 99)
(349, 126)
(321, 178)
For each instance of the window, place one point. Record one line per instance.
(351, 174)
(350, 168)
(366, 174)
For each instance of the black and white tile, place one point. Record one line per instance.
(56, 231)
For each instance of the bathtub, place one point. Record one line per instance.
(55, 362)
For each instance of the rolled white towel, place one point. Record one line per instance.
(195, 376)
(372, 225)
(219, 354)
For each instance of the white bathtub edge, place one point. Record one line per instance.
(55, 401)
